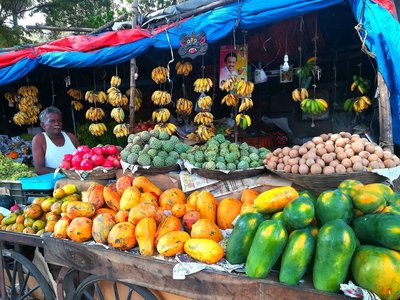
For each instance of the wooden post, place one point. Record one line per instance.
(132, 77)
(385, 115)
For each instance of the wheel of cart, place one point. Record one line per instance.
(99, 287)
(23, 279)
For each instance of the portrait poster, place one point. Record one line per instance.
(233, 62)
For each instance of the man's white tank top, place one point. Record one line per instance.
(55, 154)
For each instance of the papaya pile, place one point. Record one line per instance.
(350, 232)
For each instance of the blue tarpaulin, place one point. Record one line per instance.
(383, 36)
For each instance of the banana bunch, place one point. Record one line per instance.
(202, 85)
(159, 75)
(11, 97)
(184, 107)
(75, 94)
(125, 101)
(299, 94)
(230, 83)
(161, 98)
(246, 104)
(243, 121)
(314, 106)
(115, 81)
(76, 105)
(93, 97)
(161, 115)
(230, 100)
(183, 68)
(204, 118)
(138, 98)
(20, 118)
(28, 100)
(28, 106)
(244, 88)
(204, 132)
(205, 102)
(114, 96)
(118, 114)
(97, 129)
(167, 127)
(28, 90)
(33, 111)
(361, 84)
(194, 137)
(348, 104)
(361, 103)
(94, 114)
(121, 130)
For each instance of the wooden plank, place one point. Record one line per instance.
(385, 116)
(157, 274)
(21, 238)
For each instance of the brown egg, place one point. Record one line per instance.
(340, 169)
(364, 154)
(347, 163)
(315, 169)
(285, 151)
(341, 155)
(334, 163)
(357, 147)
(317, 140)
(327, 158)
(293, 153)
(271, 165)
(389, 163)
(304, 169)
(295, 169)
(328, 170)
(358, 167)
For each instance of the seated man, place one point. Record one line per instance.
(49, 147)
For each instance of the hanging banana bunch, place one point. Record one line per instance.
(360, 84)
(230, 100)
(314, 106)
(299, 94)
(184, 107)
(94, 114)
(29, 91)
(121, 130)
(166, 127)
(230, 84)
(77, 105)
(183, 68)
(204, 118)
(161, 115)
(246, 103)
(12, 98)
(205, 102)
(75, 94)
(361, 103)
(115, 81)
(138, 98)
(205, 132)
(161, 98)
(243, 121)
(118, 114)
(159, 75)
(97, 129)
(202, 85)
(244, 88)
(27, 103)
(20, 118)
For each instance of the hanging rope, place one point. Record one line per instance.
(170, 61)
(362, 33)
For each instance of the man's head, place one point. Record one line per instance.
(230, 61)
(51, 120)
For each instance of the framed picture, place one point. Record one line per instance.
(287, 76)
(233, 62)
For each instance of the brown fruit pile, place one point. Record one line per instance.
(331, 153)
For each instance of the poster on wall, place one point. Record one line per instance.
(233, 62)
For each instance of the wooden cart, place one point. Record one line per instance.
(138, 273)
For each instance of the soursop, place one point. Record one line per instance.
(230, 157)
(199, 156)
(174, 154)
(144, 159)
(164, 136)
(163, 154)
(174, 139)
(220, 166)
(158, 161)
(231, 166)
(132, 158)
(210, 165)
(254, 157)
(155, 133)
(155, 143)
(233, 147)
(244, 146)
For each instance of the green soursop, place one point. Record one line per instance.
(144, 159)
(168, 146)
(145, 136)
(152, 153)
(158, 161)
(169, 161)
(155, 143)
(243, 165)
(163, 136)
(132, 158)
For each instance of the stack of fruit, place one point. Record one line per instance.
(28, 106)
(153, 148)
(85, 158)
(220, 154)
(161, 98)
(204, 118)
(331, 153)
(116, 99)
(77, 97)
(353, 230)
(12, 98)
(239, 90)
(362, 102)
(138, 100)
(143, 126)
